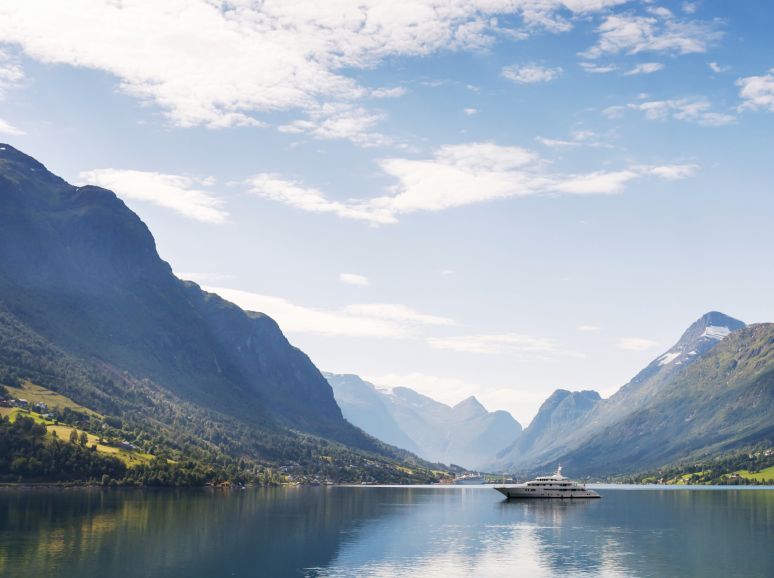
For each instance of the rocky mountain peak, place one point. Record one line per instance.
(469, 408)
(18, 167)
(700, 337)
(714, 325)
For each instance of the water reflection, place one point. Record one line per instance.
(165, 533)
(653, 533)
(338, 532)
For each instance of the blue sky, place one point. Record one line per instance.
(492, 197)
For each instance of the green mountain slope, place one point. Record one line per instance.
(548, 439)
(724, 400)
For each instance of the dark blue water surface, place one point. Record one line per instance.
(383, 531)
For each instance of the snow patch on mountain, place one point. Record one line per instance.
(716, 332)
(668, 358)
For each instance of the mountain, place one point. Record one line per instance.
(723, 401)
(88, 307)
(367, 408)
(702, 335)
(465, 434)
(555, 420)
(710, 392)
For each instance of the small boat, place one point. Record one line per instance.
(470, 479)
(555, 486)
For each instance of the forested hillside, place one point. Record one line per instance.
(88, 309)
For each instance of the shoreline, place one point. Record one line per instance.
(10, 486)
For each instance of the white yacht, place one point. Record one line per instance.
(556, 486)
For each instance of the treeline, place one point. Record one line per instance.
(717, 471)
(179, 432)
(26, 455)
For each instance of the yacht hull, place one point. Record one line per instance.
(517, 493)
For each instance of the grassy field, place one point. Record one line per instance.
(8, 411)
(685, 478)
(128, 456)
(34, 393)
(762, 476)
(13, 412)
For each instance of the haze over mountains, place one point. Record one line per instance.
(711, 392)
(466, 434)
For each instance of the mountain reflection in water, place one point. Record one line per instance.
(371, 531)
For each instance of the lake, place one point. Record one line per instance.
(383, 531)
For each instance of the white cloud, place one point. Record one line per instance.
(294, 318)
(693, 109)
(218, 64)
(7, 128)
(636, 344)
(556, 143)
(340, 121)
(658, 32)
(275, 188)
(614, 112)
(379, 320)
(502, 344)
(470, 111)
(598, 182)
(689, 7)
(588, 328)
(354, 279)
(645, 68)
(530, 73)
(717, 68)
(11, 74)
(578, 138)
(673, 172)
(597, 68)
(394, 92)
(170, 191)
(482, 157)
(204, 278)
(455, 176)
(396, 312)
(757, 92)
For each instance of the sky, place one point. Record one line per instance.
(495, 198)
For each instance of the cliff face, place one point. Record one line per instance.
(555, 420)
(81, 270)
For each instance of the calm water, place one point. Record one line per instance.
(422, 532)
